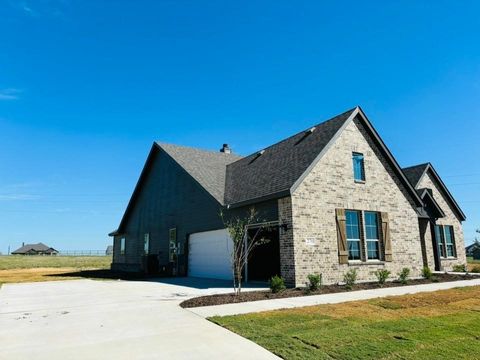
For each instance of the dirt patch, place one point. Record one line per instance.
(328, 289)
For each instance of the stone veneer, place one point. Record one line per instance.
(427, 181)
(330, 185)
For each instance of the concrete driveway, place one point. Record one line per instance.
(89, 319)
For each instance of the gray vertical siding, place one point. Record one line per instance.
(167, 197)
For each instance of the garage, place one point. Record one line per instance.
(209, 254)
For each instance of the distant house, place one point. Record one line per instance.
(109, 250)
(35, 249)
(470, 249)
(476, 253)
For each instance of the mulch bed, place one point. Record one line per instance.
(294, 292)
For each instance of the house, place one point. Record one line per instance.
(35, 249)
(471, 248)
(333, 196)
(109, 250)
(476, 253)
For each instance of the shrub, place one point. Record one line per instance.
(427, 273)
(403, 275)
(382, 275)
(277, 284)
(459, 268)
(314, 282)
(476, 269)
(350, 278)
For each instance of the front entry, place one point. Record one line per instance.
(264, 261)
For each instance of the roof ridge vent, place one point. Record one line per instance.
(257, 155)
(306, 133)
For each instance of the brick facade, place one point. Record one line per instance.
(330, 185)
(427, 181)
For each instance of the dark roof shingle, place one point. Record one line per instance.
(414, 173)
(36, 247)
(206, 167)
(280, 165)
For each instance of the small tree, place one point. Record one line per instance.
(243, 243)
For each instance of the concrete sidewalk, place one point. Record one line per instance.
(288, 303)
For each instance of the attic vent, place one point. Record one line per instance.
(257, 155)
(305, 135)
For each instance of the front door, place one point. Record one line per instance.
(264, 261)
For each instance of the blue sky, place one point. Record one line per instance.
(87, 86)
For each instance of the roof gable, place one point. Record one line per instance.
(280, 168)
(207, 168)
(417, 172)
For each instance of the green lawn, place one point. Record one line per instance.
(471, 261)
(473, 264)
(439, 325)
(78, 262)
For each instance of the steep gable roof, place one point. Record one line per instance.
(415, 174)
(275, 169)
(429, 200)
(273, 172)
(206, 167)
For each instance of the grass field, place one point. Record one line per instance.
(17, 268)
(472, 263)
(438, 325)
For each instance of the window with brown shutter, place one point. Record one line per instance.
(342, 236)
(387, 242)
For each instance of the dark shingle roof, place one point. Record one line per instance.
(206, 167)
(280, 165)
(28, 247)
(414, 173)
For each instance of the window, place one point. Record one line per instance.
(439, 240)
(146, 243)
(122, 246)
(449, 241)
(358, 167)
(172, 234)
(372, 235)
(353, 234)
(445, 239)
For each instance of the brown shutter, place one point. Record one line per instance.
(387, 242)
(342, 236)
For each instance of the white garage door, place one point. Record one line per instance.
(209, 255)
